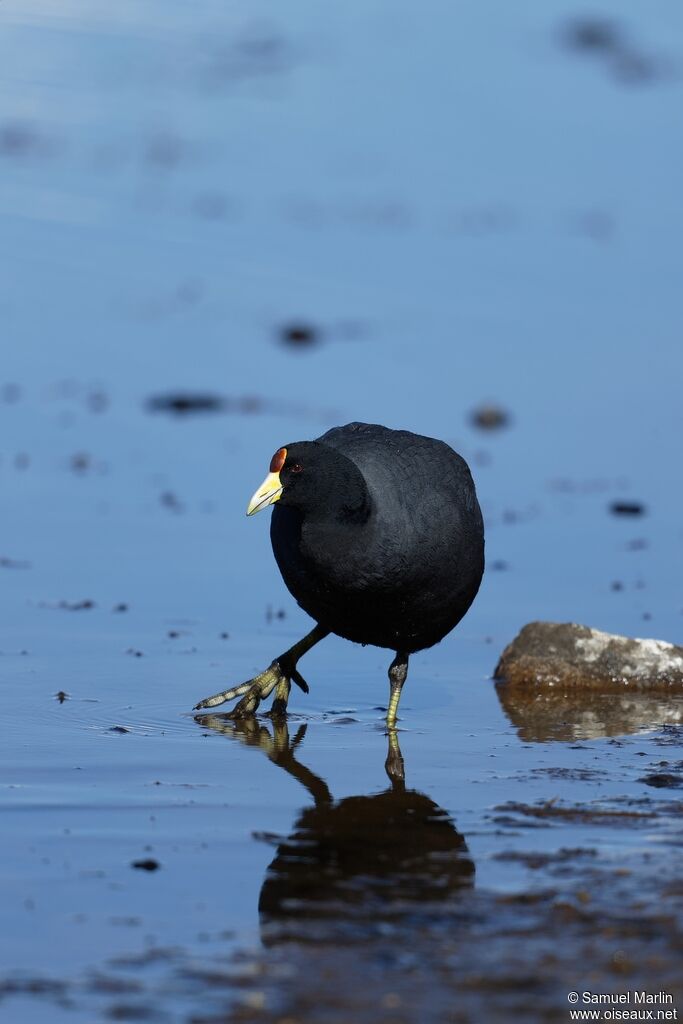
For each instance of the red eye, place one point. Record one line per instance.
(296, 468)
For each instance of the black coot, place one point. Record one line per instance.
(379, 537)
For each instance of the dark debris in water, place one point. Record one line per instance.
(637, 544)
(22, 140)
(146, 864)
(186, 403)
(586, 814)
(299, 335)
(275, 614)
(183, 403)
(78, 606)
(662, 780)
(32, 986)
(80, 463)
(10, 393)
(593, 35)
(259, 51)
(132, 1012)
(85, 605)
(109, 984)
(97, 401)
(147, 957)
(490, 417)
(606, 40)
(670, 736)
(536, 859)
(627, 508)
(171, 501)
(165, 150)
(13, 563)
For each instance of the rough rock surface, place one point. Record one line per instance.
(565, 655)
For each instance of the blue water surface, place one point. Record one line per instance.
(466, 207)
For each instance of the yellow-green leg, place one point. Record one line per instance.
(279, 706)
(278, 676)
(398, 670)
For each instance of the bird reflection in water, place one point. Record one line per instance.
(357, 865)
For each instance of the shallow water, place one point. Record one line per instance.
(464, 209)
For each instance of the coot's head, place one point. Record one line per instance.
(315, 479)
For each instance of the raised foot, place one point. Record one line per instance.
(276, 677)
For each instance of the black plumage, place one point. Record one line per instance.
(379, 536)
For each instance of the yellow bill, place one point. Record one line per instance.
(269, 492)
(271, 488)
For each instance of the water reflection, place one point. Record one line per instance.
(541, 715)
(357, 866)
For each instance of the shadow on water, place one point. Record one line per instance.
(353, 867)
(540, 715)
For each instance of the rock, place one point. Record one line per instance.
(565, 655)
